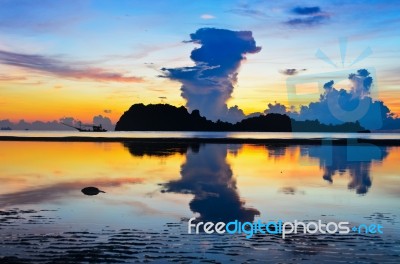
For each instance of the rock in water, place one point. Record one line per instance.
(91, 191)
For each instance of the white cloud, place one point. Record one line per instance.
(207, 16)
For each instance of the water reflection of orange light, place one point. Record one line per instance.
(34, 164)
(256, 167)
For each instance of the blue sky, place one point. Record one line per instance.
(135, 39)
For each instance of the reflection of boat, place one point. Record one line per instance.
(87, 128)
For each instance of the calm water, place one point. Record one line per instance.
(152, 189)
(201, 134)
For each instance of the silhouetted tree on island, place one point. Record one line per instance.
(269, 123)
(316, 126)
(165, 117)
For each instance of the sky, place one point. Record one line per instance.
(87, 58)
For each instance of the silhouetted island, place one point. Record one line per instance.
(165, 117)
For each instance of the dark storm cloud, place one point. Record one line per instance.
(54, 66)
(209, 84)
(306, 10)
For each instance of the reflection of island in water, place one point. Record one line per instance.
(207, 175)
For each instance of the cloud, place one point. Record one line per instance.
(276, 108)
(292, 71)
(307, 16)
(309, 21)
(104, 121)
(209, 84)
(336, 106)
(207, 16)
(54, 66)
(248, 11)
(288, 190)
(55, 125)
(107, 111)
(306, 10)
(35, 125)
(11, 78)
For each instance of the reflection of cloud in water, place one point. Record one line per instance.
(290, 190)
(234, 149)
(208, 176)
(57, 191)
(275, 151)
(354, 159)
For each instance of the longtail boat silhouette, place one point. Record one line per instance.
(87, 128)
(91, 191)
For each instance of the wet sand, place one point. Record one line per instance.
(173, 244)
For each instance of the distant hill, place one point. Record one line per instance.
(165, 117)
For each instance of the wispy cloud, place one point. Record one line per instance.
(307, 16)
(306, 10)
(249, 11)
(292, 71)
(309, 21)
(54, 66)
(11, 78)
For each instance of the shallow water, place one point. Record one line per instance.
(152, 189)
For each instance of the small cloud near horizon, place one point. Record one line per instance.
(291, 71)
